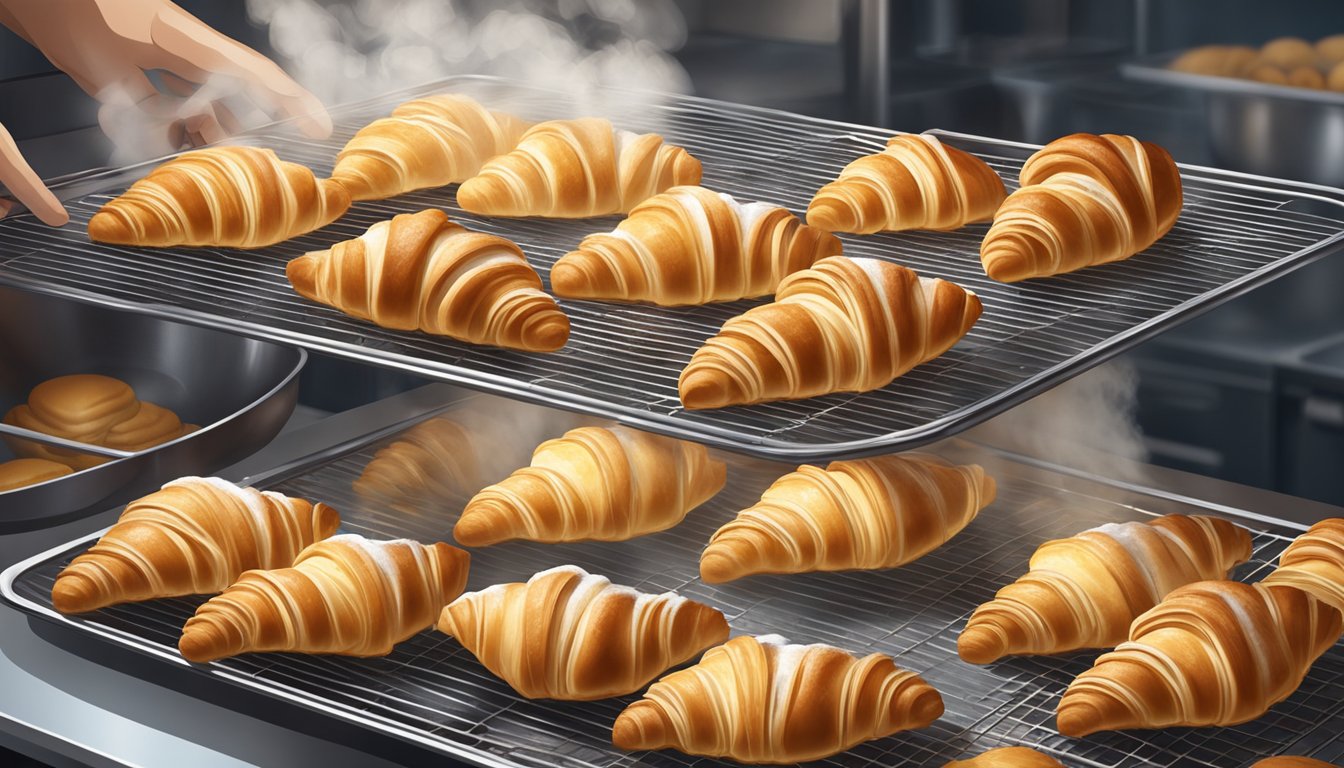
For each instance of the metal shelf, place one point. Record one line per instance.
(1236, 232)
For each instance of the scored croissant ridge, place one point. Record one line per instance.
(594, 484)
(427, 142)
(917, 182)
(1211, 653)
(690, 245)
(195, 536)
(1084, 200)
(420, 271)
(844, 325)
(761, 700)
(868, 513)
(347, 595)
(93, 409)
(1086, 590)
(1007, 757)
(567, 634)
(1314, 563)
(235, 197)
(576, 169)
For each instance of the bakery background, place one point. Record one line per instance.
(1252, 392)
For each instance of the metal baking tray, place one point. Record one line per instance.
(1276, 130)
(239, 391)
(623, 361)
(432, 694)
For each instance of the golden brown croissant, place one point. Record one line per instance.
(575, 169)
(1085, 591)
(594, 484)
(19, 473)
(1007, 757)
(1287, 761)
(427, 142)
(235, 197)
(193, 537)
(434, 460)
(567, 634)
(868, 513)
(1314, 563)
(917, 182)
(690, 245)
(845, 325)
(1211, 653)
(423, 272)
(347, 595)
(98, 410)
(761, 700)
(1085, 200)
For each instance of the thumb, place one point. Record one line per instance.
(23, 183)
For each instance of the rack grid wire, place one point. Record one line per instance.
(623, 360)
(431, 692)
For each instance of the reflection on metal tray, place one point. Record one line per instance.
(239, 391)
(1276, 130)
(623, 360)
(432, 693)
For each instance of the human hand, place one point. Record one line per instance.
(109, 46)
(18, 177)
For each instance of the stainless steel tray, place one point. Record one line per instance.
(239, 391)
(1276, 130)
(433, 694)
(623, 361)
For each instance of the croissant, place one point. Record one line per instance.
(432, 461)
(98, 410)
(594, 484)
(576, 169)
(1085, 591)
(761, 700)
(427, 142)
(193, 537)
(1007, 757)
(917, 182)
(1211, 653)
(346, 595)
(689, 245)
(1292, 762)
(1084, 200)
(567, 634)
(845, 325)
(869, 513)
(423, 272)
(24, 472)
(234, 197)
(1314, 563)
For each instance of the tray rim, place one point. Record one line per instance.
(760, 446)
(372, 721)
(1154, 69)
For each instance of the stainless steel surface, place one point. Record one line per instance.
(238, 390)
(1275, 130)
(60, 442)
(622, 361)
(432, 693)
(866, 29)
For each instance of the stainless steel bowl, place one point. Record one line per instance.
(1272, 130)
(239, 390)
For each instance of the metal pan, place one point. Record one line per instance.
(1274, 130)
(239, 390)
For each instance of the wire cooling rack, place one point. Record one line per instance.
(623, 361)
(431, 692)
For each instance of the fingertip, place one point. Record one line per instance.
(5, 207)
